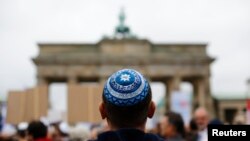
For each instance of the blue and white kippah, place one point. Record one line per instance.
(126, 87)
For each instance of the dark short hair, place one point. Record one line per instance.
(176, 120)
(37, 129)
(128, 116)
(21, 133)
(192, 124)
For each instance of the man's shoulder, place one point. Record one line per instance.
(128, 135)
(152, 137)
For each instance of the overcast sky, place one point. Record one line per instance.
(223, 24)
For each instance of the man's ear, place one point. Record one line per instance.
(151, 109)
(102, 110)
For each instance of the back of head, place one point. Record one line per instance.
(37, 129)
(127, 97)
(193, 125)
(176, 120)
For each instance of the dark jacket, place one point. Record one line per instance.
(127, 135)
(176, 138)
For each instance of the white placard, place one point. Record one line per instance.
(181, 103)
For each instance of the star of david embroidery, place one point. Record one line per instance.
(125, 77)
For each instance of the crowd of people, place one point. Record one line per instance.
(170, 127)
(127, 104)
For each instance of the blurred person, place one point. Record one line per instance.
(37, 131)
(1, 122)
(105, 126)
(215, 122)
(60, 131)
(21, 135)
(78, 133)
(172, 127)
(239, 119)
(7, 138)
(8, 132)
(127, 103)
(21, 131)
(97, 129)
(192, 133)
(202, 119)
(158, 129)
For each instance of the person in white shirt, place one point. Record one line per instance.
(202, 119)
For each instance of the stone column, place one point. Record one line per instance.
(199, 93)
(41, 95)
(195, 100)
(202, 96)
(172, 84)
(221, 113)
(209, 103)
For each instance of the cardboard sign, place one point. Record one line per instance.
(83, 103)
(25, 106)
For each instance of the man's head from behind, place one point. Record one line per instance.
(37, 130)
(127, 100)
(201, 118)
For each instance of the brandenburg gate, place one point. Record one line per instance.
(170, 64)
